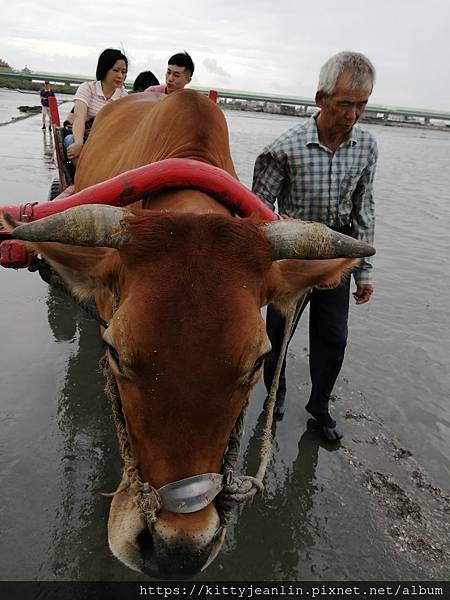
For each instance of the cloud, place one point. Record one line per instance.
(212, 67)
(257, 45)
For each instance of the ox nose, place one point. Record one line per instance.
(168, 553)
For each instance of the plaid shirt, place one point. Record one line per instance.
(313, 183)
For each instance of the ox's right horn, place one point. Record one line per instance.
(86, 225)
(293, 238)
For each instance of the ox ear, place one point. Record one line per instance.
(288, 278)
(88, 273)
(76, 242)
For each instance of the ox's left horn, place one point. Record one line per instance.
(87, 225)
(301, 239)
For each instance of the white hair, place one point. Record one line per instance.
(359, 67)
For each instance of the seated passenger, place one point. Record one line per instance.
(91, 96)
(144, 80)
(179, 72)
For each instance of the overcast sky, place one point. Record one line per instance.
(257, 45)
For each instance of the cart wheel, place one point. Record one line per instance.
(54, 190)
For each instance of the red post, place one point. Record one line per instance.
(54, 112)
(213, 95)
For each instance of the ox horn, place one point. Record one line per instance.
(292, 238)
(87, 225)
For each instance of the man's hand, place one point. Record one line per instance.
(74, 150)
(363, 293)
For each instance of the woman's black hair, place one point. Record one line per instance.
(144, 80)
(107, 60)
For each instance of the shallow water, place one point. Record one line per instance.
(324, 514)
(10, 100)
(399, 343)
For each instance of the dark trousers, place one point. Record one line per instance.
(328, 330)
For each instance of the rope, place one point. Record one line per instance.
(294, 307)
(235, 488)
(146, 497)
(234, 444)
(242, 488)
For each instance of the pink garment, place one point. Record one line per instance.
(91, 94)
(157, 88)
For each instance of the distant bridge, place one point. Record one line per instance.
(377, 111)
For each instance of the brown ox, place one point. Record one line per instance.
(181, 287)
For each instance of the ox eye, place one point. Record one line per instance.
(116, 363)
(259, 362)
(249, 379)
(114, 355)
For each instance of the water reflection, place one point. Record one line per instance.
(89, 462)
(62, 315)
(280, 530)
(48, 148)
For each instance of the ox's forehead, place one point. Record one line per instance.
(181, 320)
(216, 308)
(215, 242)
(191, 286)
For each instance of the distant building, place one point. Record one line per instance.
(287, 109)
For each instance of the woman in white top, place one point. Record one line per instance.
(91, 96)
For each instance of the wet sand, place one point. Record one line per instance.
(368, 508)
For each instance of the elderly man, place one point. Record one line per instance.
(323, 170)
